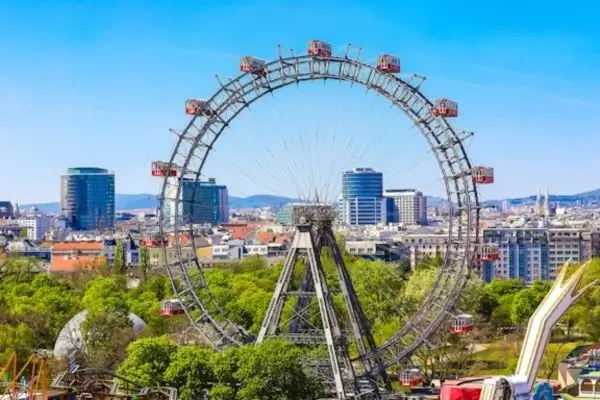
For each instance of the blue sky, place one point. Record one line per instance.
(99, 83)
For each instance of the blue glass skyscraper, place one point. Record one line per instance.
(204, 202)
(362, 197)
(87, 197)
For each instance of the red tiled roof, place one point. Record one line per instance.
(283, 238)
(77, 246)
(69, 264)
(265, 237)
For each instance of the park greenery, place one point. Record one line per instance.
(35, 306)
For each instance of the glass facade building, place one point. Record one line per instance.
(362, 197)
(87, 197)
(204, 202)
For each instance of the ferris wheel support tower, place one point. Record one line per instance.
(313, 234)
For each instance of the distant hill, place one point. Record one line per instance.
(148, 201)
(260, 201)
(126, 202)
(123, 202)
(591, 193)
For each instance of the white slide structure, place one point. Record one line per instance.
(520, 385)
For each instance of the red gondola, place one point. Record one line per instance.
(197, 107)
(488, 252)
(462, 324)
(411, 377)
(253, 65)
(482, 175)
(445, 108)
(171, 307)
(153, 240)
(319, 48)
(161, 168)
(388, 63)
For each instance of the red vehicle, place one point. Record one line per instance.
(153, 240)
(488, 252)
(161, 168)
(462, 324)
(197, 107)
(482, 175)
(462, 389)
(319, 48)
(445, 108)
(411, 377)
(253, 65)
(388, 63)
(169, 308)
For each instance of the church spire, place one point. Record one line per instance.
(547, 203)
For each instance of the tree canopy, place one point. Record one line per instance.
(35, 306)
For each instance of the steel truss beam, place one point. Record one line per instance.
(198, 138)
(308, 244)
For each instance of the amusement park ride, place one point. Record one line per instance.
(34, 370)
(522, 385)
(363, 375)
(31, 383)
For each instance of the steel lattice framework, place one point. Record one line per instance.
(196, 141)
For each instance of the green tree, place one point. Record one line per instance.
(503, 287)
(147, 360)
(144, 261)
(527, 300)
(453, 356)
(487, 305)
(273, 370)
(190, 370)
(418, 285)
(107, 328)
(119, 266)
(19, 338)
(45, 304)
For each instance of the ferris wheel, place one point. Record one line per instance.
(258, 78)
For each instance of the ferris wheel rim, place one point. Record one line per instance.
(465, 197)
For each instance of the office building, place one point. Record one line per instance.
(204, 202)
(405, 206)
(6, 209)
(362, 200)
(88, 198)
(201, 202)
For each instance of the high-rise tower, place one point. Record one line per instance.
(362, 197)
(87, 198)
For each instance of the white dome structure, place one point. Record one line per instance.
(71, 337)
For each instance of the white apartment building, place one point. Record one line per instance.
(425, 242)
(36, 225)
(565, 244)
(529, 254)
(406, 206)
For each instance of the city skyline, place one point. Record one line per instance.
(530, 92)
